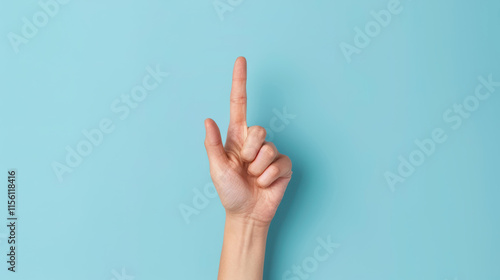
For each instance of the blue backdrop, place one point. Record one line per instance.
(388, 109)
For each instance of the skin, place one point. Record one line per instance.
(250, 176)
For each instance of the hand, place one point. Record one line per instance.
(248, 172)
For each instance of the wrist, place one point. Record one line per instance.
(247, 222)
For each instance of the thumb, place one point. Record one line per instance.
(213, 144)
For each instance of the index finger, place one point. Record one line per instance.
(238, 99)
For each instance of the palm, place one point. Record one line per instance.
(239, 190)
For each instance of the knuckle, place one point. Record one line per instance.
(261, 182)
(206, 143)
(274, 170)
(269, 150)
(246, 154)
(287, 160)
(260, 131)
(238, 100)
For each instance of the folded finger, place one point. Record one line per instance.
(266, 155)
(281, 168)
(254, 141)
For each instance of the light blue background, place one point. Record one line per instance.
(120, 207)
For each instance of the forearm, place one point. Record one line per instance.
(243, 249)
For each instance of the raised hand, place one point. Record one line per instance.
(248, 172)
